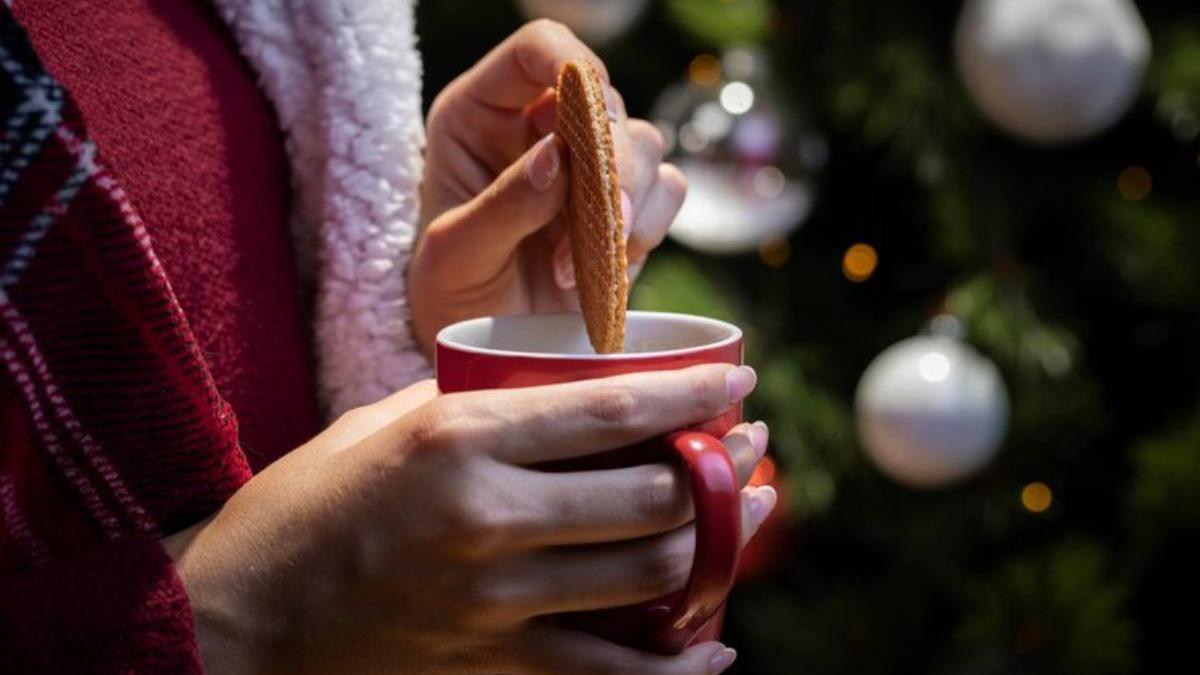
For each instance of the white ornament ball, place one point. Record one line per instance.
(595, 21)
(751, 162)
(931, 411)
(727, 212)
(1052, 70)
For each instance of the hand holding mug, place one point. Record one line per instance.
(416, 534)
(529, 350)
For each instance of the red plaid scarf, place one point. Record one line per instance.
(126, 420)
(115, 432)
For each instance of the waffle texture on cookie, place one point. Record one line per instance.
(594, 205)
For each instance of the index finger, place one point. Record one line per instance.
(522, 67)
(562, 421)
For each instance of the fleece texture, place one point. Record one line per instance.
(345, 79)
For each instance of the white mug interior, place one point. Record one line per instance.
(647, 334)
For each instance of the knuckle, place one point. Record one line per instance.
(615, 404)
(461, 519)
(493, 196)
(363, 416)
(431, 431)
(544, 28)
(465, 425)
(649, 135)
(470, 527)
(436, 119)
(673, 179)
(708, 396)
(480, 517)
(436, 245)
(565, 506)
(664, 501)
(664, 568)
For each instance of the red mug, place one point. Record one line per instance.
(538, 349)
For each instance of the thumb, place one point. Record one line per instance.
(485, 231)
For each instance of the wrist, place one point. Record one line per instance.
(177, 544)
(220, 649)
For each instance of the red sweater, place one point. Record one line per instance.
(182, 128)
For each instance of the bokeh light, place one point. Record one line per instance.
(859, 262)
(705, 70)
(737, 97)
(775, 252)
(1036, 497)
(769, 182)
(1134, 183)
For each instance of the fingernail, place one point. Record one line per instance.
(759, 435)
(721, 660)
(610, 102)
(740, 381)
(543, 165)
(564, 265)
(626, 213)
(761, 502)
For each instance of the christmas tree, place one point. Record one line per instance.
(1061, 248)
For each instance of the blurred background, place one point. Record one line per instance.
(962, 236)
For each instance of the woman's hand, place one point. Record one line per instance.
(495, 184)
(414, 535)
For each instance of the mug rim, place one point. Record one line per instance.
(735, 334)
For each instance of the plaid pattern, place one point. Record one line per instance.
(128, 436)
(117, 391)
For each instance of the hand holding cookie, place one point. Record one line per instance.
(496, 184)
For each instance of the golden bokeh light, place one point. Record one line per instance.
(775, 252)
(1134, 183)
(705, 70)
(859, 262)
(1036, 497)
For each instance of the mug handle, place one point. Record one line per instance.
(715, 491)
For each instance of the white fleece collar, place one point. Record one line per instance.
(345, 79)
